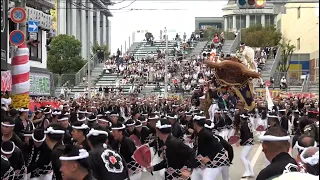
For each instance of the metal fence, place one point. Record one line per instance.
(293, 77)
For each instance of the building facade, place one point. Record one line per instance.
(205, 22)
(235, 18)
(41, 80)
(300, 26)
(87, 20)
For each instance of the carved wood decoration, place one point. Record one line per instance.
(232, 71)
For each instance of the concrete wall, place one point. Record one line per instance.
(304, 28)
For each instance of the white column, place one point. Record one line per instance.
(234, 25)
(247, 20)
(275, 19)
(98, 23)
(225, 24)
(90, 24)
(263, 20)
(74, 18)
(62, 16)
(104, 29)
(84, 33)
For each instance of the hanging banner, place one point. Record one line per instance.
(6, 81)
(40, 84)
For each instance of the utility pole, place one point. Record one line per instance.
(89, 75)
(166, 66)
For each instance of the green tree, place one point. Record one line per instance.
(64, 55)
(96, 47)
(259, 36)
(287, 50)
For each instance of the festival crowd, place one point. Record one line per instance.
(121, 137)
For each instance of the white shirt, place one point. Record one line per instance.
(283, 80)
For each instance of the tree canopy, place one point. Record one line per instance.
(104, 48)
(210, 31)
(259, 36)
(64, 55)
(287, 50)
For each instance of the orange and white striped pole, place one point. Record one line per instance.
(20, 77)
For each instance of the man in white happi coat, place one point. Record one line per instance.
(247, 57)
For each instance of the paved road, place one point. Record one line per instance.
(257, 159)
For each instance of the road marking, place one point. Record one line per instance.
(254, 160)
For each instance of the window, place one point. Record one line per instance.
(298, 12)
(230, 23)
(238, 22)
(269, 20)
(258, 19)
(298, 43)
(243, 21)
(35, 48)
(252, 20)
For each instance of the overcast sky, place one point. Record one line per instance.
(124, 22)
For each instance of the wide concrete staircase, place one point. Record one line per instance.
(314, 88)
(198, 49)
(265, 72)
(227, 46)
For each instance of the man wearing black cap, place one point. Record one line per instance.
(54, 134)
(15, 157)
(126, 147)
(176, 127)
(284, 122)
(178, 158)
(7, 126)
(211, 156)
(79, 132)
(276, 145)
(7, 171)
(105, 163)
(39, 165)
(74, 163)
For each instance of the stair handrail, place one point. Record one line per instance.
(276, 62)
(236, 42)
(83, 71)
(306, 84)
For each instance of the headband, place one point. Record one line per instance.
(132, 124)
(209, 127)
(159, 126)
(50, 130)
(172, 117)
(104, 120)
(38, 141)
(94, 132)
(313, 160)
(83, 126)
(7, 125)
(296, 145)
(82, 155)
(83, 119)
(153, 118)
(8, 152)
(63, 119)
(243, 116)
(271, 138)
(118, 128)
(23, 110)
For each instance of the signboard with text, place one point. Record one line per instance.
(4, 33)
(40, 84)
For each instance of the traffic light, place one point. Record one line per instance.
(242, 4)
(251, 4)
(260, 3)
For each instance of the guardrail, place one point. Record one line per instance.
(236, 42)
(293, 77)
(275, 63)
(306, 83)
(83, 72)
